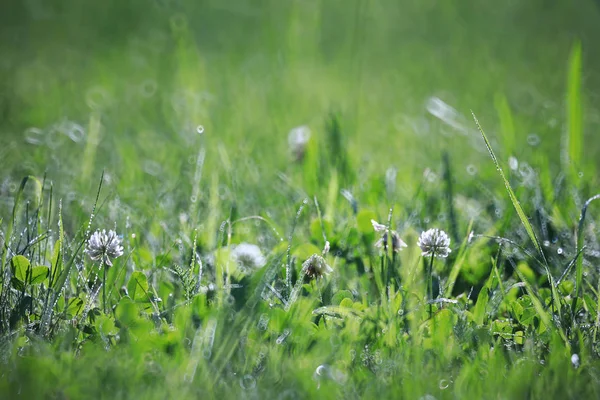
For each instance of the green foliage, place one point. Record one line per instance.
(182, 110)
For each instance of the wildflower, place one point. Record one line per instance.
(434, 242)
(575, 360)
(316, 266)
(104, 246)
(248, 256)
(397, 243)
(298, 140)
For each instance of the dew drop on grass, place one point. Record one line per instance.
(533, 140)
(200, 129)
(248, 382)
(513, 163)
(335, 341)
(96, 98)
(559, 251)
(283, 336)
(148, 88)
(322, 371)
(263, 322)
(152, 167)
(444, 384)
(546, 243)
(34, 136)
(471, 169)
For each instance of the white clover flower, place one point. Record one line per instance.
(104, 246)
(397, 243)
(298, 140)
(316, 266)
(248, 256)
(436, 242)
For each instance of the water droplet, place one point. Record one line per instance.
(178, 22)
(263, 322)
(152, 167)
(322, 371)
(34, 135)
(200, 129)
(444, 383)
(471, 169)
(248, 382)
(148, 88)
(283, 336)
(96, 98)
(559, 250)
(533, 140)
(513, 163)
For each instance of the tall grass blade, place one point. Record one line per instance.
(574, 108)
(511, 193)
(579, 247)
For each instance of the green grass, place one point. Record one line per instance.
(101, 106)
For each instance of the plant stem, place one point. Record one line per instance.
(429, 283)
(104, 288)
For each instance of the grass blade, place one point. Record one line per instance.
(511, 193)
(574, 109)
(579, 247)
(506, 123)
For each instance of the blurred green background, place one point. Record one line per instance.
(122, 86)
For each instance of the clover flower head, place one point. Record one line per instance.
(248, 256)
(397, 243)
(104, 246)
(316, 267)
(434, 242)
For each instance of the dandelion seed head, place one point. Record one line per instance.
(434, 241)
(104, 246)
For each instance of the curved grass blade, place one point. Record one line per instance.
(579, 248)
(511, 193)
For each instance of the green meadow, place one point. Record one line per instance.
(299, 199)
